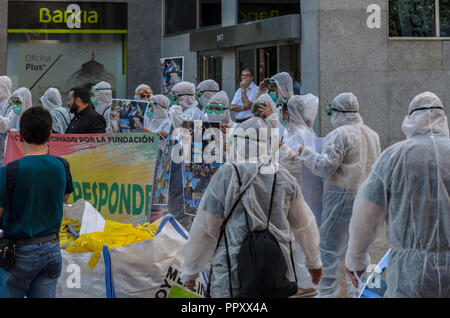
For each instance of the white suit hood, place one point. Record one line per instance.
(285, 85)
(220, 98)
(160, 120)
(51, 99)
(430, 118)
(349, 103)
(303, 111)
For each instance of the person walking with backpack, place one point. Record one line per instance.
(251, 205)
(32, 192)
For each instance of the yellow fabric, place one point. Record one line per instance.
(115, 235)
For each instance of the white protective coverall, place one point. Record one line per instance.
(349, 153)
(11, 120)
(302, 113)
(5, 94)
(61, 116)
(285, 86)
(408, 188)
(206, 89)
(160, 120)
(187, 101)
(293, 219)
(103, 95)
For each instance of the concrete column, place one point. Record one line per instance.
(229, 17)
(144, 44)
(3, 35)
(309, 48)
(229, 12)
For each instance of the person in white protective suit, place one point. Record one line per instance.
(19, 102)
(61, 116)
(280, 87)
(293, 217)
(157, 115)
(102, 102)
(298, 118)
(408, 188)
(143, 92)
(184, 94)
(206, 90)
(5, 94)
(156, 118)
(348, 154)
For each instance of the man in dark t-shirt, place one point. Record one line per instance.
(33, 220)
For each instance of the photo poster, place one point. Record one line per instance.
(161, 182)
(172, 70)
(196, 176)
(127, 115)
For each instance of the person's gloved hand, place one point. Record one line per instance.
(353, 277)
(265, 111)
(316, 275)
(264, 85)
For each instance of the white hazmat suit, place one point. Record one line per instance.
(103, 95)
(349, 153)
(187, 101)
(206, 90)
(293, 218)
(408, 188)
(302, 113)
(61, 116)
(12, 120)
(5, 94)
(160, 120)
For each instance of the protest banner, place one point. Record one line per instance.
(114, 172)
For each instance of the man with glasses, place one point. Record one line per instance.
(243, 99)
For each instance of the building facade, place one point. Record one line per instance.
(115, 41)
(384, 51)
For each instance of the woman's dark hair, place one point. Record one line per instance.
(36, 125)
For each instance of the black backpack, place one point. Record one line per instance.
(262, 266)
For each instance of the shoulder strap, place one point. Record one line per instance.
(107, 107)
(271, 200)
(12, 170)
(63, 116)
(67, 168)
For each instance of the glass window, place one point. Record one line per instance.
(180, 15)
(210, 12)
(412, 18)
(44, 50)
(251, 10)
(444, 9)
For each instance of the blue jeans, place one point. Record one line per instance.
(34, 274)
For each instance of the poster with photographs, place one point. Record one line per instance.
(172, 69)
(160, 196)
(198, 173)
(127, 115)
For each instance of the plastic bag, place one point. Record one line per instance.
(115, 235)
(65, 234)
